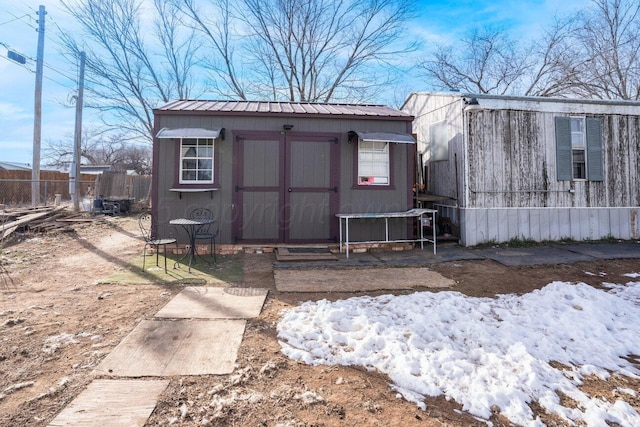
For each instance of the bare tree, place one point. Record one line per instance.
(486, 60)
(609, 44)
(552, 64)
(100, 148)
(131, 70)
(301, 50)
(592, 54)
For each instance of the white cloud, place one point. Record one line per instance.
(10, 111)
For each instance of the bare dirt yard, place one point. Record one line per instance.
(68, 299)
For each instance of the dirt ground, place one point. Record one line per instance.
(59, 318)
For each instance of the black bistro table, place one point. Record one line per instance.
(191, 226)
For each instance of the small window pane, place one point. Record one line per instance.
(196, 164)
(204, 175)
(579, 164)
(205, 152)
(577, 132)
(204, 164)
(577, 124)
(189, 152)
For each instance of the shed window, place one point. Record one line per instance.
(196, 160)
(373, 163)
(579, 148)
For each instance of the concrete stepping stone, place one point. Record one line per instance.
(359, 279)
(181, 347)
(116, 403)
(198, 302)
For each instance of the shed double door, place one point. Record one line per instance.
(286, 188)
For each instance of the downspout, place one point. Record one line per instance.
(465, 155)
(465, 173)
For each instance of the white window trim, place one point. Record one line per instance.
(197, 158)
(375, 180)
(582, 147)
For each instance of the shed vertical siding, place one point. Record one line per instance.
(351, 197)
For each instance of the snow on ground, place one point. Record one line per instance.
(482, 351)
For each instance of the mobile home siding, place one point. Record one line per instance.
(514, 186)
(446, 110)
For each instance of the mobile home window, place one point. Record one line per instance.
(373, 163)
(196, 160)
(579, 148)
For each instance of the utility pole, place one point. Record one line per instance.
(77, 141)
(37, 119)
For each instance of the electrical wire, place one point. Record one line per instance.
(13, 20)
(18, 64)
(21, 18)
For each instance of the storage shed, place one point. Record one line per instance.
(531, 168)
(279, 172)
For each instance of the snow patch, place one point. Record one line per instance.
(484, 353)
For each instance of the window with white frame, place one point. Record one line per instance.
(196, 160)
(373, 163)
(578, 148)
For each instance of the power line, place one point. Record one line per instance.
(21, 18)
(20, 65)
(72, 79)
(13, 20)
(58, 83)
(15, 50)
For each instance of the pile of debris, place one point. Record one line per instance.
(39, 220)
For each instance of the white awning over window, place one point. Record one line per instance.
(166, 133)
(401, 138)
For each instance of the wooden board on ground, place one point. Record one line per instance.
(198, 302)
(305, 253)
(114, 403)
(182, 347)
(358, 279)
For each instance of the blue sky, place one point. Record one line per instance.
(438, 21)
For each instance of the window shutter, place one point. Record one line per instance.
(595, 170)
(563, 148)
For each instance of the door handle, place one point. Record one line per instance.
(290, 190)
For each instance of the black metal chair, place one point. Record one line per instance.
(207, 231)
(150, 235)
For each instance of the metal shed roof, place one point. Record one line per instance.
(282, 108)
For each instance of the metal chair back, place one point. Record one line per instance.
(151, 238)
(145, 221)
(206, 231)
(202, 213)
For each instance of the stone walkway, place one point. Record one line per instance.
(198, 332)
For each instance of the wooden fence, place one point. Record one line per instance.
(16, 186)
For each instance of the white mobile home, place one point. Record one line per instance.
(531, 168)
